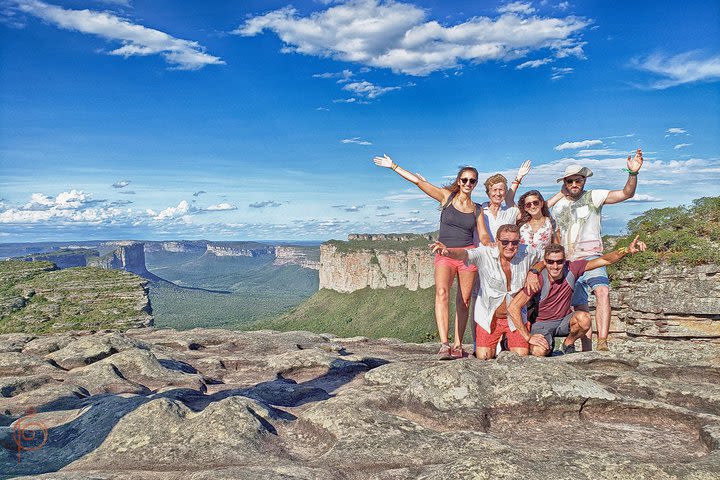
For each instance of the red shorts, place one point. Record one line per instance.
(456, 265)
(498, 326)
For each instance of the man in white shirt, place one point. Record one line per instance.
(578, 214)
(504, 272)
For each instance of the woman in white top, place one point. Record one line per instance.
(537, 227)
(501, 209)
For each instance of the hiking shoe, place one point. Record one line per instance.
(457, 352)
(602, 345)
(444, 352)
(567, 349)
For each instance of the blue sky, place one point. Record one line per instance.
(259, 119)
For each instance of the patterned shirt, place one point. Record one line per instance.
(579, 223)
(539, 239)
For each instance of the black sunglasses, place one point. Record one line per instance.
(465, 180)
(554, 262)
(514, 243)
(570, 181)
(533, 203)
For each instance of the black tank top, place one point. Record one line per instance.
(456, 227)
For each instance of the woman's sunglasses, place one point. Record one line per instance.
(465, 180)
(534, 203)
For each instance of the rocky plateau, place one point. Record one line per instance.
(164, 404)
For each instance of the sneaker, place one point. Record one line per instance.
(444, 352)
(602, 345)
(457, 352)
(567, 349)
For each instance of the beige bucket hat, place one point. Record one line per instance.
(575, 170)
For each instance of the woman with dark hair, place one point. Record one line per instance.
(460, 220)
(537, 227)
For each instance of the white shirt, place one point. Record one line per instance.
(579, 223)
(506, 215)
(493, 282)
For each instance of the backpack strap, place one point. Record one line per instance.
(545, 290)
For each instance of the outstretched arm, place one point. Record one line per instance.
(617, 255)
(515, 314)
(556, 198)
(455, 253)
(633, 167)
(439, 194)
(522, 171)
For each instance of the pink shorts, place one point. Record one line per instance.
(498, 326)
(457, 265)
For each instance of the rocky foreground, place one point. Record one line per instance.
(157, 404)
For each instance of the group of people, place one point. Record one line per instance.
(508, 257)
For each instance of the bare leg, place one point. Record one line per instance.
(538, 351)
(466, 281)
(522, 351)
(586, 339)
(602, 311)
(444, 277)
(484, 353)
(580, 324)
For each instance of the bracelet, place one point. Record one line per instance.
(517, 181)
(630, 172)
(394, 167)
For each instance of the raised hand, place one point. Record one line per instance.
(636, 246)
(439, 247)
(523, 170)
(634, 163)
(383, 161)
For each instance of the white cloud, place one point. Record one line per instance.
(181, 210)
(580, 144)
(642, 198)
(355, 140)
(136, 39)
(398, 36)
(681, 145)
(267, 203)
(221, 207)
(516, 7)
(603, 152)
(346, 100)
(342, 77)
(74, 206)
(121, 184)
(534, 63)
(560, 72)
(689, 67)
(676, 131)
(367, 89)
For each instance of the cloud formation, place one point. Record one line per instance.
(198, 193)
(681, 145)
(267, 203)
(676, 131)
(137, 40)
(121, 184)
(580, 144)
(355, 140)
(220, 207)
(680, 69)
(399, 36)
(367, 89)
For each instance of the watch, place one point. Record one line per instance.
(535, 271)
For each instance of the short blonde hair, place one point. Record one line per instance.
(497, 178)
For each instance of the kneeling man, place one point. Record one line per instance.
(503, 271)
(556, 317)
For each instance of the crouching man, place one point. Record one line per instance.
(503, 271)
(556, 317)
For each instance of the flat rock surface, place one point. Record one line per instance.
(163, 404)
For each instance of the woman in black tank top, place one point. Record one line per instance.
(459, 225)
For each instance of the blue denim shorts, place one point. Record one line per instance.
(588, 282)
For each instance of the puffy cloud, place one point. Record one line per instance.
(689, 67)
(267, 203)
(136, 39)
(355, 140)
(397, 35)
(121, 184)
(681, 145)
(642, 198)
(367, 89)
(220, 207)
(182, 209)
(67, 207)
(516, 7)
(580, 144)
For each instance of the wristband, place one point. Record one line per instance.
(535, 271)
(630, 172)
(394, 167)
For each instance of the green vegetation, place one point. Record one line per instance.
(256, 289)
(681, 235)
(64, 252)
(35, 298)
(392, 312)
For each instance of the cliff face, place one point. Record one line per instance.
(179, 246)
(306, 257)
(128, 256)
(347, 271)
(221, 250)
